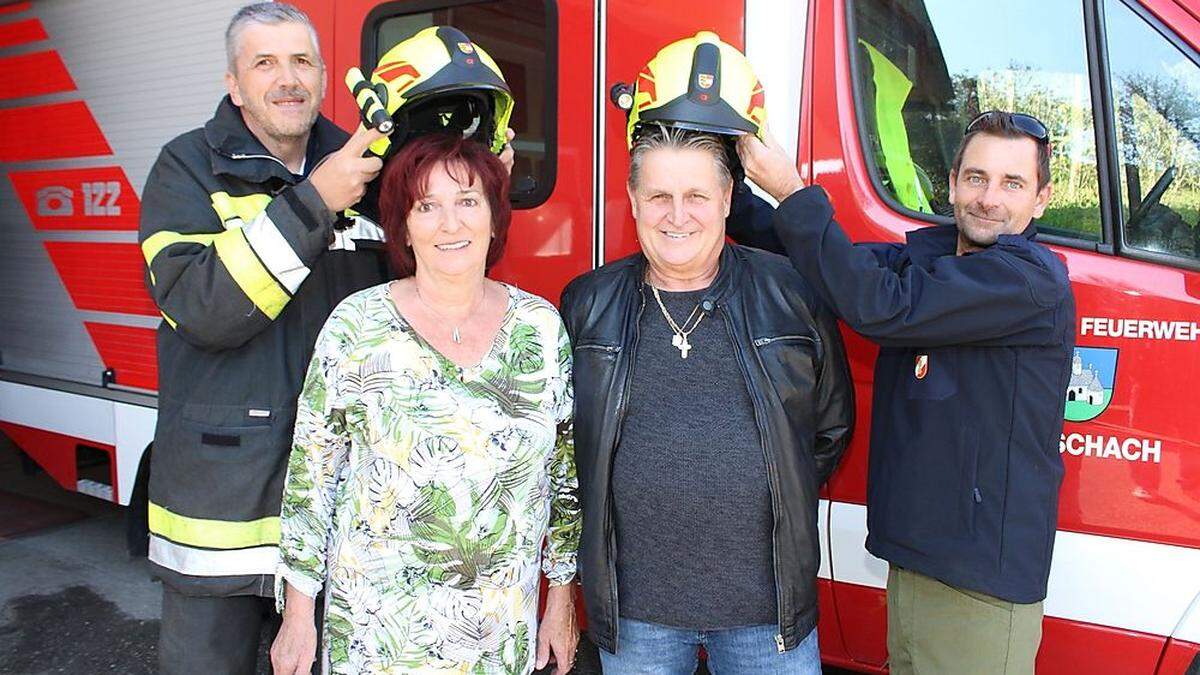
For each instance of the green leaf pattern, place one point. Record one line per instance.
(422, 496)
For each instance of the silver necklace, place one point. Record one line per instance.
(454, 332)
(680, 338)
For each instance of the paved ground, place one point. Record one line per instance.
(72, 600)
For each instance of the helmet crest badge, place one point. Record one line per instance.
(699, 83)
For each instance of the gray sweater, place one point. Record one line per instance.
(693, 507)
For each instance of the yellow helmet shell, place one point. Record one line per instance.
(442, 60)
(700, 83)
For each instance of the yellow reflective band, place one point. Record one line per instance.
(170, 322)
(246, 207)
(220, 534)
(249, 273)
(156, 242)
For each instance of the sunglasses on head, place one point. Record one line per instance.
(1026, 124)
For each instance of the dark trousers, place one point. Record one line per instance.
(214, 635)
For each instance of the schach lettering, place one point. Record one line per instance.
(1110, 447)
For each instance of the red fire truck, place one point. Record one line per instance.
(871, 95)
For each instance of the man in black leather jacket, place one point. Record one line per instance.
(712, 400)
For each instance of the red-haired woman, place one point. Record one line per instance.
(433, 450)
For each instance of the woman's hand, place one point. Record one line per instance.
(558, 632)
(295, 647)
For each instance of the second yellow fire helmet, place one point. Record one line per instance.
(700, 83)
(438, 80)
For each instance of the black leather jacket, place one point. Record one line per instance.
(791, 355)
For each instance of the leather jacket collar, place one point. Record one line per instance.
(729, 271)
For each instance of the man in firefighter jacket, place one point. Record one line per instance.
(249, 237)
(976, 326)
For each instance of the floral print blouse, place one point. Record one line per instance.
(419, 493)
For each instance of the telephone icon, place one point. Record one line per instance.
(55, 200)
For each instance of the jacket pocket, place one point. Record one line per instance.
(790, 365)
(226, 444)
(222, 461)
(932, 375)
(932, 492)
(592, 373)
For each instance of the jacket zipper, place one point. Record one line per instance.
(771, 477)
(768, 340)
(296, 176)
(238, 155)
(601, 348)
(621, 410)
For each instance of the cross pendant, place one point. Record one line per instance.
(684, 347)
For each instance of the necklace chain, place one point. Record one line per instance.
(454, 332)
(680, 340)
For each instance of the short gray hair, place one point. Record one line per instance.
(269, 13)
(657, 136)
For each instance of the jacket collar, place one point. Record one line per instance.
(926, 243)
(729, 270)
(239, 153)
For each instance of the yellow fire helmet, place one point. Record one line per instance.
(700, 83)
(438, 80)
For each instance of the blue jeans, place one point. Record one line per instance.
(651, 649)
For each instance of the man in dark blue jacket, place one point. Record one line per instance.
(976, 326)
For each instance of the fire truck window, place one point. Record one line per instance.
(516, 33)
(925, 68)
(1156, 105)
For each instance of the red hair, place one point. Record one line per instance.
(406, 178)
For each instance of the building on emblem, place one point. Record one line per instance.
(1090, 389)
(1085, 385)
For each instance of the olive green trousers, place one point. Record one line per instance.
(937, 629)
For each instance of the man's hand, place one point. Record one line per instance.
(769, 166)
(341, 178)
(558, 631)
(507, 156)
(295, 647)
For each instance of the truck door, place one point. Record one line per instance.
(545, 50)
(1119, 89)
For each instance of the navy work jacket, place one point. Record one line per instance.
(974, 361)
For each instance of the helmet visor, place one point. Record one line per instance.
(468, 113)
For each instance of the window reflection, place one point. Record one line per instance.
(1156, 103)
(927, 67)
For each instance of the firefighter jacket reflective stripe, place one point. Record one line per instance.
(245, 263)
